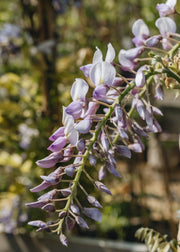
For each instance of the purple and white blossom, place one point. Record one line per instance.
(167, 8)
(140, 31)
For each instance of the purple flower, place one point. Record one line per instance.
(152, 41)
(83, 126)
(167, 8)
(78, 93)
(100, 93)
(140, 31)
(37, 204)
(140, 77)
(127, 57)
(102, 73)
(159, 92)
(102, 172)
(81, 222)
(58, 133)
(123, 150)
(97, 58)
(50, 160)
(49, 195)
(92, 200)
(166, 26)
(81, 144)
(102, 187)
(63, 240)
(70, 134)
(75, 209)
(92, 213)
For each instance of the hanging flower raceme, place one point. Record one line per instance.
(95, 137)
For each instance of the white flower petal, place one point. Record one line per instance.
(110, 54)
(165, 25)
(171, 3)
(79, 90)
(102, 73)
(140, 29)
(98, 57)
(73, 137)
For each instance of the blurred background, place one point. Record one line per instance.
(42, 45)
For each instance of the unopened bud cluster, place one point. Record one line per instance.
(88, 136)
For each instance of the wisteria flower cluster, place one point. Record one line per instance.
(89, 136)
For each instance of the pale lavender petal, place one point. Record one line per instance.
(140, 29)
(123, 150)
(117, 81)
(166, 44)
(152, 41)
(79, 90)
(92, 200)
(63, 239)
(149, 116)
(38, 223)
(50, 160)
(92, 160)
(37, 204)
(110, 54)
(58, 144)
(102, 173)
(69, 170)
(68, 152)
(58, 133)
(118, 112)
(74, 109)
(92, 108)
(157, 111)
(83, 126)
(81, 222)
(140, 78)
(136, 147)
(133, 53)
(112, 169)
(141, 110)
(104, 141)
(81, 144)
(100, 92)
(75, 209)
(102, 187)
(49, 195)
(122, 133)
(66, 192)
(159, 92)
(98, 57)
(165, 25)
(171, 3)
(86, 69)
(40, 187)
(73, 137)
(163, 9)
(92, 213)
(102, 73)
(124, 61)
(69, 125)
(139, 130)
(49, 207)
